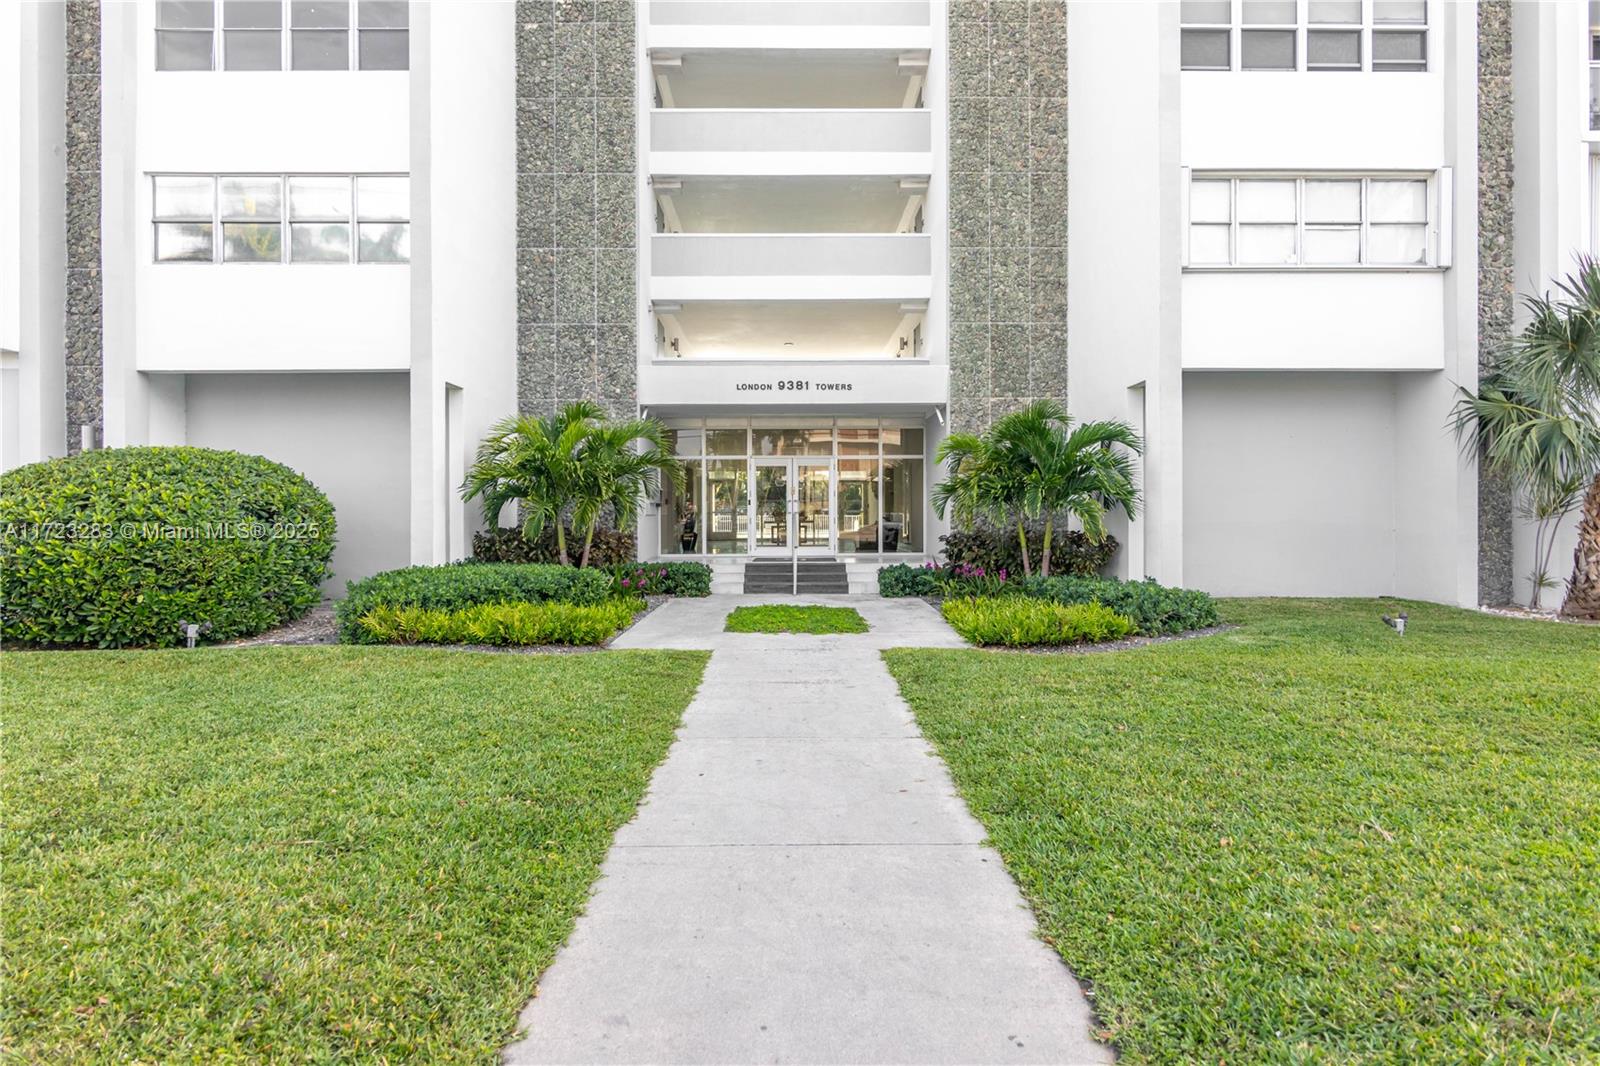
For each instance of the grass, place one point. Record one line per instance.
(307, 854)
(1307, 839)
(785, 618)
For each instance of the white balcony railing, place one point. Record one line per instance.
(793, 142)
(765, 266)
(790, 13)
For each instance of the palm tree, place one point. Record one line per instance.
(534, 463)
(1070, 471)
(613, 471)
(1032, 463)
(979, 484)
(1536, 417)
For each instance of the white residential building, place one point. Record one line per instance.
(812, 237)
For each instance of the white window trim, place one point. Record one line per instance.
(285, 44)
(1367, 27)
(1440, 242)
(286, 256)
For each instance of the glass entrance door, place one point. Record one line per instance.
(791, 506)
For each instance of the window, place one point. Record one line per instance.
(1207, 34)
(1267, 40)
(1330, 220)
(249, 35)
(252, 34)
(319, 219)
(1594, 64)
(385, 34)
(1399, 35)
(184, 215)
(1336, 35)
(185, 31)
(383, 206)
(319, 35)
(330, 218)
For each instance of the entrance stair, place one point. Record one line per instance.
(816, 575)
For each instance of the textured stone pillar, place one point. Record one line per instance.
(1496, 276)
(1008, 207)
(576, 204)
(84, 371)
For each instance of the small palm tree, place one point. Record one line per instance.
(1536, 417)
(614, 471)
(534, 463)
(1078, 472)
(1032, 463)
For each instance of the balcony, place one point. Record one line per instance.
(761, 266)
(824, 141)
(789, 330)
(779, 24)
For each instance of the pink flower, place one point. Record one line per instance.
(626, 582)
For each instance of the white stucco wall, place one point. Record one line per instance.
(1290, 484)
(1123, 257)
(348, 433)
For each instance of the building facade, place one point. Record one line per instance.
(812, 237)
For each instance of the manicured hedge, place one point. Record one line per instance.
(458, 585)
(501, 624)
(997, 549)
(902, 579)
(1019, 621)
(113, 548)
(663, 579)
(1154, 608)
(611, 547)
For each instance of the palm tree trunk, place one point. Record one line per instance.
(1022, 539)
(1044, 552)
(561, 540)
(588, 539)
(1583, 590)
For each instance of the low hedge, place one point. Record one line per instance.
(902, 579)
(611, 547)
(1154, 608)
(1019, 621)
(996, 549)
(455, 586)
(663, 579)
(501, 624)
(112, 548)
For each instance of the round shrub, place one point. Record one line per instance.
(113, 548)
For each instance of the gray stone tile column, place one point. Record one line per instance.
(1008, 206)
(576, 232)
(1497, 279)
(85, 373)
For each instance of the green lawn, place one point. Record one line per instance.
(1307, 839)
(307, 854)
(785, 618)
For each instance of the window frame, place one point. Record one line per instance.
(1366, 31)
(1437, 238)
(285, 218)
(286, 31)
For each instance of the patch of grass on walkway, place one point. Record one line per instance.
(786, 618)
(1308, 839)
(307, 854)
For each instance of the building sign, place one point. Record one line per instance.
(794, 385)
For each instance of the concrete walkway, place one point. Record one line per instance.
(802, 884)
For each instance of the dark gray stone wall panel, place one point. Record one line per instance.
(85, 356)
(577, 175)
(1497, 279)
(1008, 206)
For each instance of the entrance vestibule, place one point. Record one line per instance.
(840, 486)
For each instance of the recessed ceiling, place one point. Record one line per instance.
(780, 79)
(856, 329)
(789, 205)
